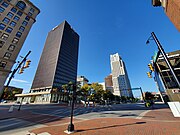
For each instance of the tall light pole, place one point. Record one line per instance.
(164, 55)
(71, 125)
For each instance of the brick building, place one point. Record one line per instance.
(172, 10)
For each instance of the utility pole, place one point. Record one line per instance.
(13, 73)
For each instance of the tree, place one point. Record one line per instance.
(117, 98)
(149, 96)
(108, 95)
(98, 88)
(85, 91)
(65, 87)
(123, 98)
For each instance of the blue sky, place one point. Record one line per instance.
(105, 27)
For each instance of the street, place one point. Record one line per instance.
(33, 116)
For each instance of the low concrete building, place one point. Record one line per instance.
(81, 80)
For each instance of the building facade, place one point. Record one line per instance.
(57, 65)
(16, 20)
(82, 80)
(109, 83)
(120, 79)
(164, 78)
(103, 85)
(171, 9)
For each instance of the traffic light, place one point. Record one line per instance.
(27, 63)
(149, 74)
(151, 67)
(156, 3)
(21, 70)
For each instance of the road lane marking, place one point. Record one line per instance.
(142, 114)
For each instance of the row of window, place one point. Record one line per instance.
(16, 18)
(21, 5)
(13, 24)
(11, 48)
(9, 30)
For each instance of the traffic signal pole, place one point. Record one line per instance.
(14, 71)
(165, 58)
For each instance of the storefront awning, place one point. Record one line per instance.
(32, 94)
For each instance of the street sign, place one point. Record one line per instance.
(156, 55)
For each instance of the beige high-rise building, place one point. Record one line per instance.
(16, 20)
(120, 79)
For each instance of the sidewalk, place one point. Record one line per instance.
(157, 122)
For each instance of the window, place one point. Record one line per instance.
(5, 36)
(16, 18)
(15, 41)
(7, 55)
(32, 10)
(2, 26)
(30, 14)
(21, 5)
(19, 13)
(18, 34)
(6, 20)
(24, 23)
(10, 15)
(13, 10)
(1, 43)
(5, 4)
(9, 30)
(11, 48)
(21, 28)
(27, 18)
(3, 64)
(13, 24)
(1, 9)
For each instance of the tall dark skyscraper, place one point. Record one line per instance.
(57, 65)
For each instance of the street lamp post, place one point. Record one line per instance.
(164, 55)
(71, 126)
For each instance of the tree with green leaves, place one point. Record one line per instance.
(85, 92)
(149, 97)
(98, 88)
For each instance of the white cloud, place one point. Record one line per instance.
(21, 81)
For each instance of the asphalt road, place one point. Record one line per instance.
(42, 114)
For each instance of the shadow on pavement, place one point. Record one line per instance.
(110, 126)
